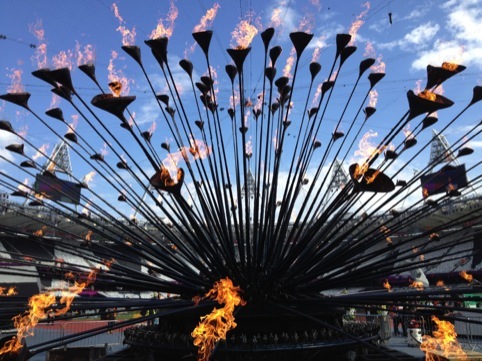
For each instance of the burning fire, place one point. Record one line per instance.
(449, 66)
(243, 34)
(63, 59)
(289, 63)
(379, 66)
(41, 151)
(466, 276)
(373, 98)
(6, 292)
(118, 83)
(72, 126)
(165, 32)
(88, 177)
(214, 326)
(207, 19)
(417, 284)
(387, 285)
(41, 49)
(84, 57)
(369, 50)
(356, 25)
(16, 81)
(276, 18)
(407, 132)
(443, 342)
(427, 95)
(39, 308)
(365, 148)
(128, 36)
(41, 231)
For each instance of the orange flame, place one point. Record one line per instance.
(373, 98)
(72, 126)
(88, 236)
(440, 283)
(427, 95)
(41, 231)
(118, 83)
(207, 19)
(39, 308)
(387, 285)
(214, 326)
(63, 59)
(87, 56)
(16, 81)
(407, 132)
(243, 34)
(89, 177)
(442, 343)
(289, 63)
(356, 25)
(40, 54)
(369, 50)
(466, 276)
(417, 284)
(365, 147)
(166, 32)
(316, 55)
(276, 18)
(449, 66)
(41, 151)
(128, 36)
(379, 66)
(6, 292)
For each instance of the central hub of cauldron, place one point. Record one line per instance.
(262, 332)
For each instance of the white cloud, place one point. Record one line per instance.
(416, 39)
(464, 43)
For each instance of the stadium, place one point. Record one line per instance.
(264, 221)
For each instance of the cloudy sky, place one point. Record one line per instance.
(405, 35)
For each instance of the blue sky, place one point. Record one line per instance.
(420, 33)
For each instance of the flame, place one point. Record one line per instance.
(87, 56)
(316, 55)
(55, 101)
(355, 26)
(214, 326)
(289, 63)
(88, 177)
(440, 283)
(444, 341)
(23, 132)
(118, 83)
(427, 95)
(276, 18)
(334, 75)
(449, 66)
(88, 236)
(425, 192)
(63, 59)
(72, 126)
(439, 90)
(379, 66)
(41, 151)
(371, 179)
(6, 292)
(207, 19)
(16, 81)
(417, 284)
(317, 95)
(373, 98)
(365, 147)
(387, 285)
(128, 36)
(40, 54)
(466, 276)
(39, 308)
(165, 32)
(152, 128)
(407, 132)
(369, 50)
(248, 150)
(306, 23)
(104, 151)
(41, 231)
(199, 149)
(243, 34)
